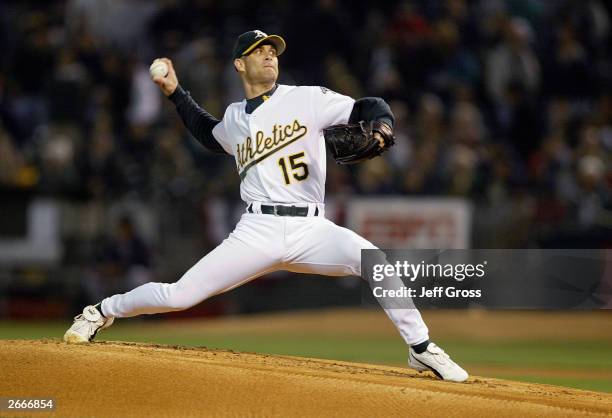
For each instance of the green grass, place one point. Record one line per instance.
(584, 356)
(19, 330)
(388, 350)
(595, 355)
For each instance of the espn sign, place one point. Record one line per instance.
(414, 223)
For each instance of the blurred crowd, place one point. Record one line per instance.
(505, 102)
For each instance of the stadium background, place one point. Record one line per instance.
(504, 126)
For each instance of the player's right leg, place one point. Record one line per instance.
(250, 251)
(326, 248)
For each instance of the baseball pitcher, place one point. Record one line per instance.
(277, 136)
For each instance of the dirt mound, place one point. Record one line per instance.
(110, 379)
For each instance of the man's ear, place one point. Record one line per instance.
(239, 65)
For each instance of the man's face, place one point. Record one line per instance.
(261, 65)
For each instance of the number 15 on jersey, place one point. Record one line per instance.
(291, 166)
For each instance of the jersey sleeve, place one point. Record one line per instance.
(330, 108)
(372, 108)
(221, 132)
(197, 120)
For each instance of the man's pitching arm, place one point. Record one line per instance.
(197, 120)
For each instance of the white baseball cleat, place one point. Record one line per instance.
(436, 360)
(86, 326)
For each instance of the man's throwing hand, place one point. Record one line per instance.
(167, 84)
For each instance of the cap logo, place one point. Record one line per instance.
(248, 41)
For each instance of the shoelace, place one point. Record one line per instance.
(434, 349)
(80, 316)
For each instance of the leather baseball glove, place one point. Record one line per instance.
(355, 142)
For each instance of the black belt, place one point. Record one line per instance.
(280, 210)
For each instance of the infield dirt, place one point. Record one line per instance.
(109, 379)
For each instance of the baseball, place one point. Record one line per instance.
(158, 69)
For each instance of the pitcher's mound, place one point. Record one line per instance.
(110, 379)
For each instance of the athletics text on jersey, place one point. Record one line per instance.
(279, 148)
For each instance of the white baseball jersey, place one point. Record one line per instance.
(279, 148)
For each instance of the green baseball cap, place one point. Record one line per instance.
(248, 41)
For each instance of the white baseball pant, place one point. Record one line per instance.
(258, 245)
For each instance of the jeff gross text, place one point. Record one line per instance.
(396, 273)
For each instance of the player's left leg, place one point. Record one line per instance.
(317, 245)
(251, 250)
